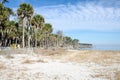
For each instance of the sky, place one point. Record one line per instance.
(90, 21)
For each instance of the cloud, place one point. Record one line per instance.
(87, 16)
(106, 3)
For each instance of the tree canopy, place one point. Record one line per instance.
(30, 30)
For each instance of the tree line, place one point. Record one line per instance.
(29, 30)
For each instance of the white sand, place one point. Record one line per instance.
(15, 69)
(55, 68)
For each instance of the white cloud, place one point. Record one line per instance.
(81, 17)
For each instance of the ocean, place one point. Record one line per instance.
(103, 47)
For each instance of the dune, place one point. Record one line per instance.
(39, 64)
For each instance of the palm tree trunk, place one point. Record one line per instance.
(16, 41)
(29, 35)
(28, 41)
(48, 44)
(2, 38)
(23, 41)
(36, 38)
(10, 42)
(46, 41)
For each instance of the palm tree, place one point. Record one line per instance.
(24, 11)
(4, 32)
(1, 21)
(75, 43)
(29, 30)
(4, 19)
(67, 41)
(53, 40)
(4, 13)
(9, 12)
(4, 1)
(11, 31)
(59, 38)
(38, 23)
(47, 30)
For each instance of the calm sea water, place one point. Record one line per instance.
(106, 47)
(103, 47)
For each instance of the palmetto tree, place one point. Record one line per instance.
(38, 23)
(4, 1)
(75, 43)
(53, 40)
(59, 38)
(47, 30)
(24, 11)
(11, 30)
(9, 12)
(67, 41)
(4, 18)
(4, 13)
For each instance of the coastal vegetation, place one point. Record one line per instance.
(29, 29)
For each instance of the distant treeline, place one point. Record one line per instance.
(85, 45)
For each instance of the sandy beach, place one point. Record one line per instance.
(38, 64)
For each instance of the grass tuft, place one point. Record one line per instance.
(2, 66)
(27, 61)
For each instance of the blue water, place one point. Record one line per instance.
(103, 47)
(106, 47)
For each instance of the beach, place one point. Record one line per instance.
(59, 64)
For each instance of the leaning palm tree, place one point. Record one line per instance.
(38, 23)
(24, 11)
